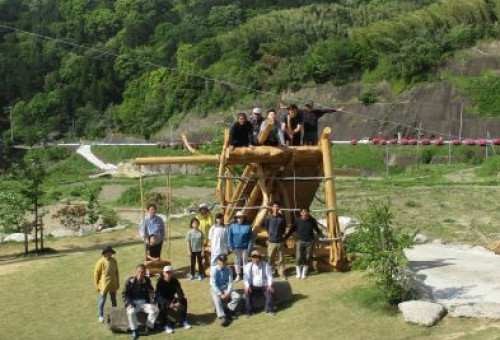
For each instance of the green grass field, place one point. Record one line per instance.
(53, 298)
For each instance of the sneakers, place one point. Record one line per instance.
(169, 330)
(225, 322)
(101, 319)
(200, 277)
(186, 325)
(135, 335)
(191, 277)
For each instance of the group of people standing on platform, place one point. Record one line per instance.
(237, 238)
(297, 126)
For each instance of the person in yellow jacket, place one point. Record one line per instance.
(206, 220)
(106, 279)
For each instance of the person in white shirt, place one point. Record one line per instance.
(258, 278)
(217, 236)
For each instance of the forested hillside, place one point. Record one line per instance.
(85, 68)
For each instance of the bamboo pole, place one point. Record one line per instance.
(337, 255)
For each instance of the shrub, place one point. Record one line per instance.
(378, 248)
(490, 167)
(370, 95)
(109, 218)
(72, 217)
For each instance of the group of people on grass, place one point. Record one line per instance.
(237, 238)
(297, 126)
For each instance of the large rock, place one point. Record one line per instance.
(420, 239)
(495, 247)
(421, 312)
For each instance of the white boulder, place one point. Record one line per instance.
(421, 312)
(17, 237)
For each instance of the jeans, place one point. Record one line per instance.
(102, 301)
(262, 290)
(219, 304)
(303, 253)
(196, 257)
(275, 254)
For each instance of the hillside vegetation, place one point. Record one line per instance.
(87, 68)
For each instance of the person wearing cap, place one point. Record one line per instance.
(311, 116)
(241, 133)
(304, 228)
(258, 278)
(221, 290)
(153, 225)
(206, 220)
(240, 242)
(275, 137)
(275, 225)
(218, 237)
(292, 125)
(106, 279)
(138, 296)
(171, 300)
(256, 121)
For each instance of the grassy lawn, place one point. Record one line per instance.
(54, 299)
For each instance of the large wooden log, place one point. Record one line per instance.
(274, 155)
(337, 255)
(229, 212)
(219, 191)
(265, 133)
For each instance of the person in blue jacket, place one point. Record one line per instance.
(240, 242)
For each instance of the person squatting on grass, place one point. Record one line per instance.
(195, 249)
(153, 249)
(138, 296)
(240, 242)
(106, 279)
(221, 290)
(171, 300)
(258, 279)
(153, 225)
(275, 225)
(218, 237)
(304, 228)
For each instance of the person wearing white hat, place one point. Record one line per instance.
(171, 300)
(240, 242)
(258, 278)
(256, 121)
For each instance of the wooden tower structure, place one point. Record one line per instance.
(290, 175)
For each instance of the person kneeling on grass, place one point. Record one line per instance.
(170, 298)
(258, 278)
(106, 279)
(137, 296)
(221, 289)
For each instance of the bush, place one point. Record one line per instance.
(72, 217)
(370, 95)
(378, 249)
(109, 218)
(490, 167)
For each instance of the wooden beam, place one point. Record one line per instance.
(219, 190)
(337, 254)
(265, 133)
(243, 182)
(198, 159)
(274, 155)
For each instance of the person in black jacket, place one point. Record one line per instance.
(241, 133)
(311, 115)
(304, 229)
(137, 296)
(170, 298)
(275, 225)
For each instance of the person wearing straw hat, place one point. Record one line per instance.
(311, 117)
(171, 300)
(240, 242)
(258, 278)
(106, 279)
